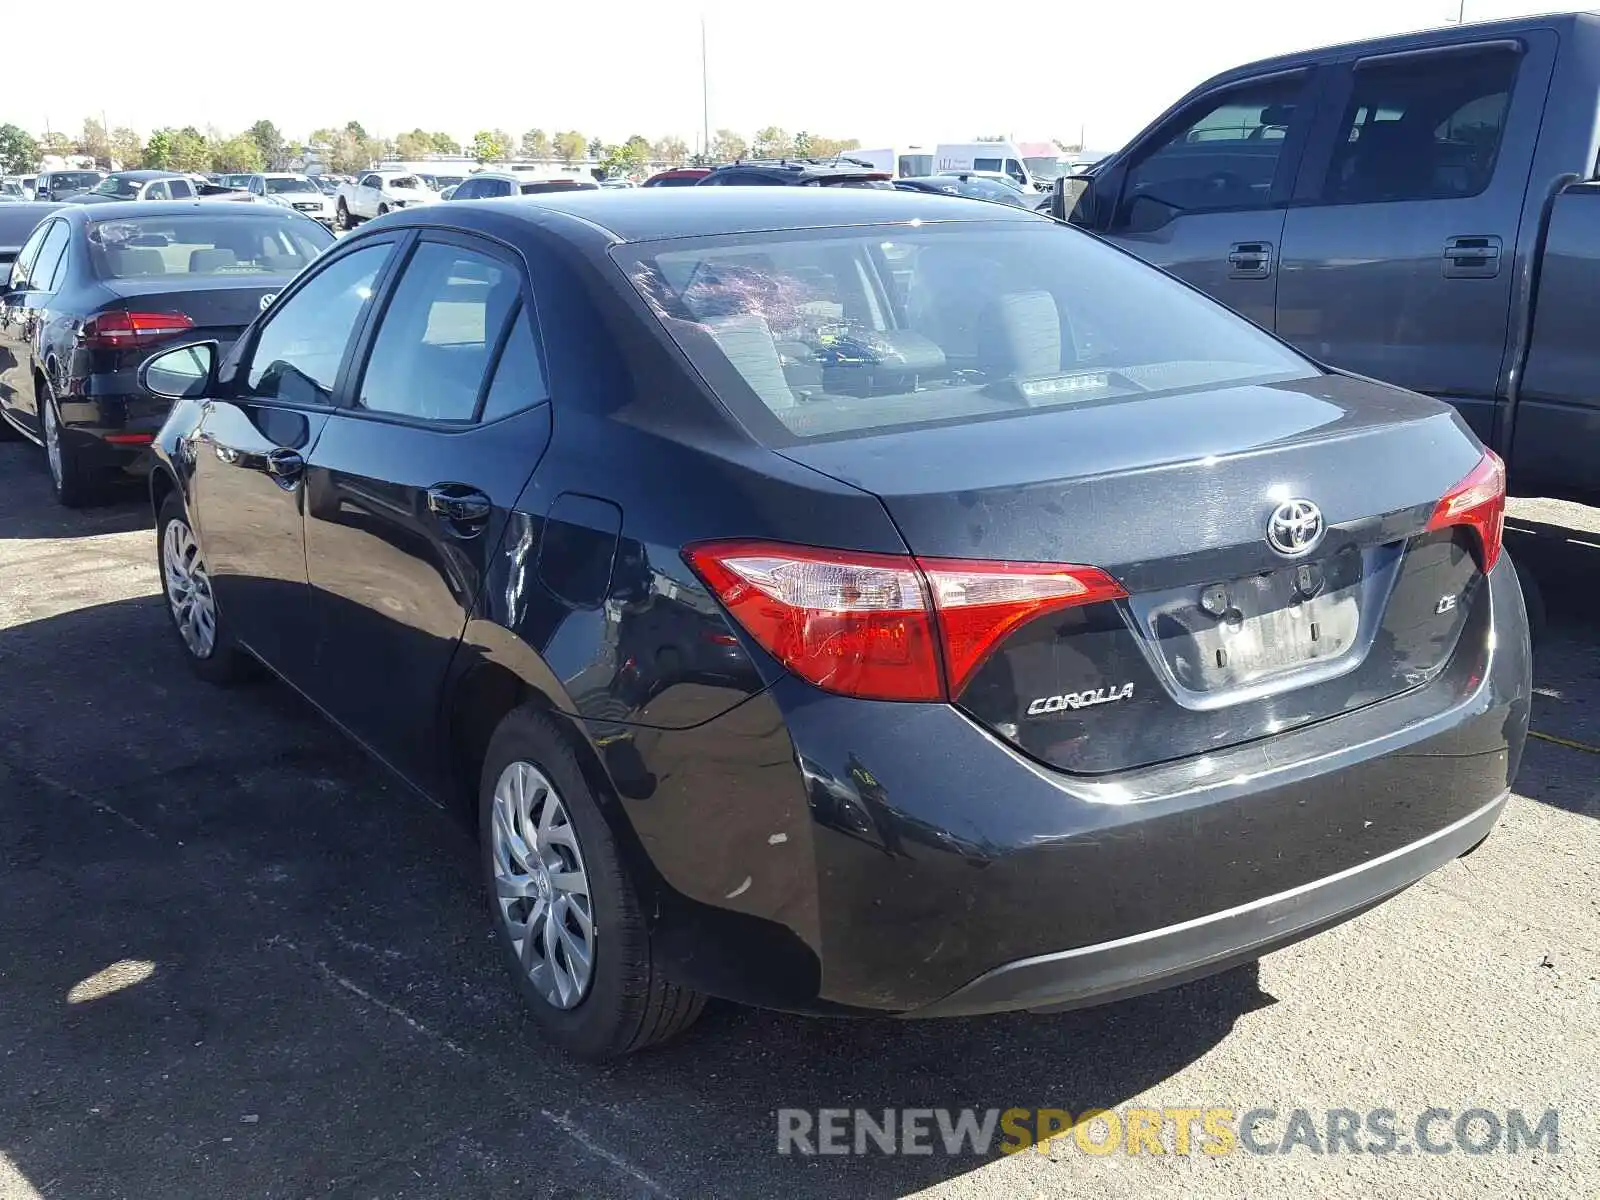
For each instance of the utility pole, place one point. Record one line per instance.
(705, 94)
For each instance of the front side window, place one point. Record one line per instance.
(844, 333)
(22, 269)
(438, 331)
(1223, 156)
(119, 186)
(371, 181)
(200, 243)
(1422, 130)
(42, 274)
(297, 355)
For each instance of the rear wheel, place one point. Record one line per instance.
(70, 479)
(186, 583)
(565, 912)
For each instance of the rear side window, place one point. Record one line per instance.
(1222, 155)
(42, 274)
(440, 327)
(1422, 129)
(297, 355)
(842, 333)
(518, 376)
(182, 189)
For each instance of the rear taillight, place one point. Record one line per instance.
(881, 626)
(118, 330)
(1479, 502)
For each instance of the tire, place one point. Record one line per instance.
(341, 218)
(625, 1003)
(220, 661)
(383, 210)
(70, 480)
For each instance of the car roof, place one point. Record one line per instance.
(650, 214)
(143, 175)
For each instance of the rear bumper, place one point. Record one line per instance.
(828, 855)
(1164, 957)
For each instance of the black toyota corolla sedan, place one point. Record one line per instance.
(94, 291)
(846, 601)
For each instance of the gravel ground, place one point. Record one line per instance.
(237, 960)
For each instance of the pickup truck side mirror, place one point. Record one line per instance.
(1072, 198)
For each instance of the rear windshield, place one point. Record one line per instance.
(556, 185)
(839, 333)
(198, 244)
(115, 185)
(277, 186)
(74, 179)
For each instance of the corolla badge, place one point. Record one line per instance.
(1084, 699)
(1295, 527)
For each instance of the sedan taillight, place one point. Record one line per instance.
(1479, 502)
(117, 330)
(884, 626)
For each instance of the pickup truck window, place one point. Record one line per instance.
(370, 181)
(1223, 155)
(1421, 130)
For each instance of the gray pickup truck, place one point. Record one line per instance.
(1421, 209)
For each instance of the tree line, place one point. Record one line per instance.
(350, 148)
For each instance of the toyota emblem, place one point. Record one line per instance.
(1295, 528)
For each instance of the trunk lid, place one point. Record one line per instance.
(1221, 638)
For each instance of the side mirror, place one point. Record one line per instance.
(181, 374)
(1072, 198)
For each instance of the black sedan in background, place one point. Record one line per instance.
(850, 601)
(93, 292)
(970, 186)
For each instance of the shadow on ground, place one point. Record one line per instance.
(311, 1001)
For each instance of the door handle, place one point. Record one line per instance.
(1472, 257)
(465, 510)
(1250, 260)
(285, 466)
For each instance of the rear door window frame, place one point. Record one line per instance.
(354, 368)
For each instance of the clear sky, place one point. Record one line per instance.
(888, 73)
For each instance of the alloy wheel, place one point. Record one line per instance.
(541, 885)
(194, 610)
(52, 440)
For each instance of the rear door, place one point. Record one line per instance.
(1399, 252)
(1204, 195)
(411, 483)
(249, 453)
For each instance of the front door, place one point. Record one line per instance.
(25, 309)
(250, 448)
(1399, 254)
(410, 486)
(1204, 195)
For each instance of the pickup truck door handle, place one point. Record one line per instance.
(1249, 260)
(464, 511)
(1472, 257)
